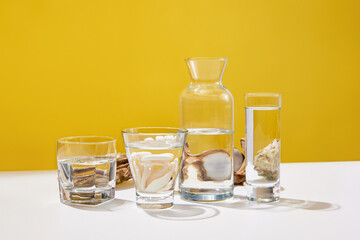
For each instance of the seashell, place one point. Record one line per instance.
(170, 138)
(211, 165)
(160, 138)
(238, 159)
(161, 183)
(240, 174)
(157, 157)
(123, 172)
(149, 139)
(135, 157)
(153, 171)
(217, 165)
(267, 161)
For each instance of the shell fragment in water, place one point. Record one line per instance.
(153, 172)
(238, 160)
(240, 163)
(267, 161)
(211, 165)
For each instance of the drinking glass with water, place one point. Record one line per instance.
(263, 146)
(86, 169)
(154, 156)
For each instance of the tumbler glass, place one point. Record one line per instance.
(154, 156)
(263, 146)
(86, 169)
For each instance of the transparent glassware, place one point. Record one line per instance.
(262, 112)
(206, 111)
(154, 156)
(86, 169)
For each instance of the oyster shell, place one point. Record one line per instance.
(211, 165)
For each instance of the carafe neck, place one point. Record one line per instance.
(206, 71)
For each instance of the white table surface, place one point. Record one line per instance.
(318, 201)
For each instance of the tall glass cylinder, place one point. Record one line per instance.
(263, 146)
(206, 111)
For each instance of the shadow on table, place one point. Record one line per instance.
(110, 206)
(284, 204)
(307, 204)
(185, 212)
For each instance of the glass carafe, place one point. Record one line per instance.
(206, 111)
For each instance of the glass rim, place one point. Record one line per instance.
(262, 101)
(65, 140)
(130, 131)
(263, 94)
(206, 58)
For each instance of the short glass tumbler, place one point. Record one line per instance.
(154, 156)
(86, 169)
(263, 146)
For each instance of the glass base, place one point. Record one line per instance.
(86, 197)
(155, 200)
(206, 195)
(263, 194)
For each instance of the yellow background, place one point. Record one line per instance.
(95, 67)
